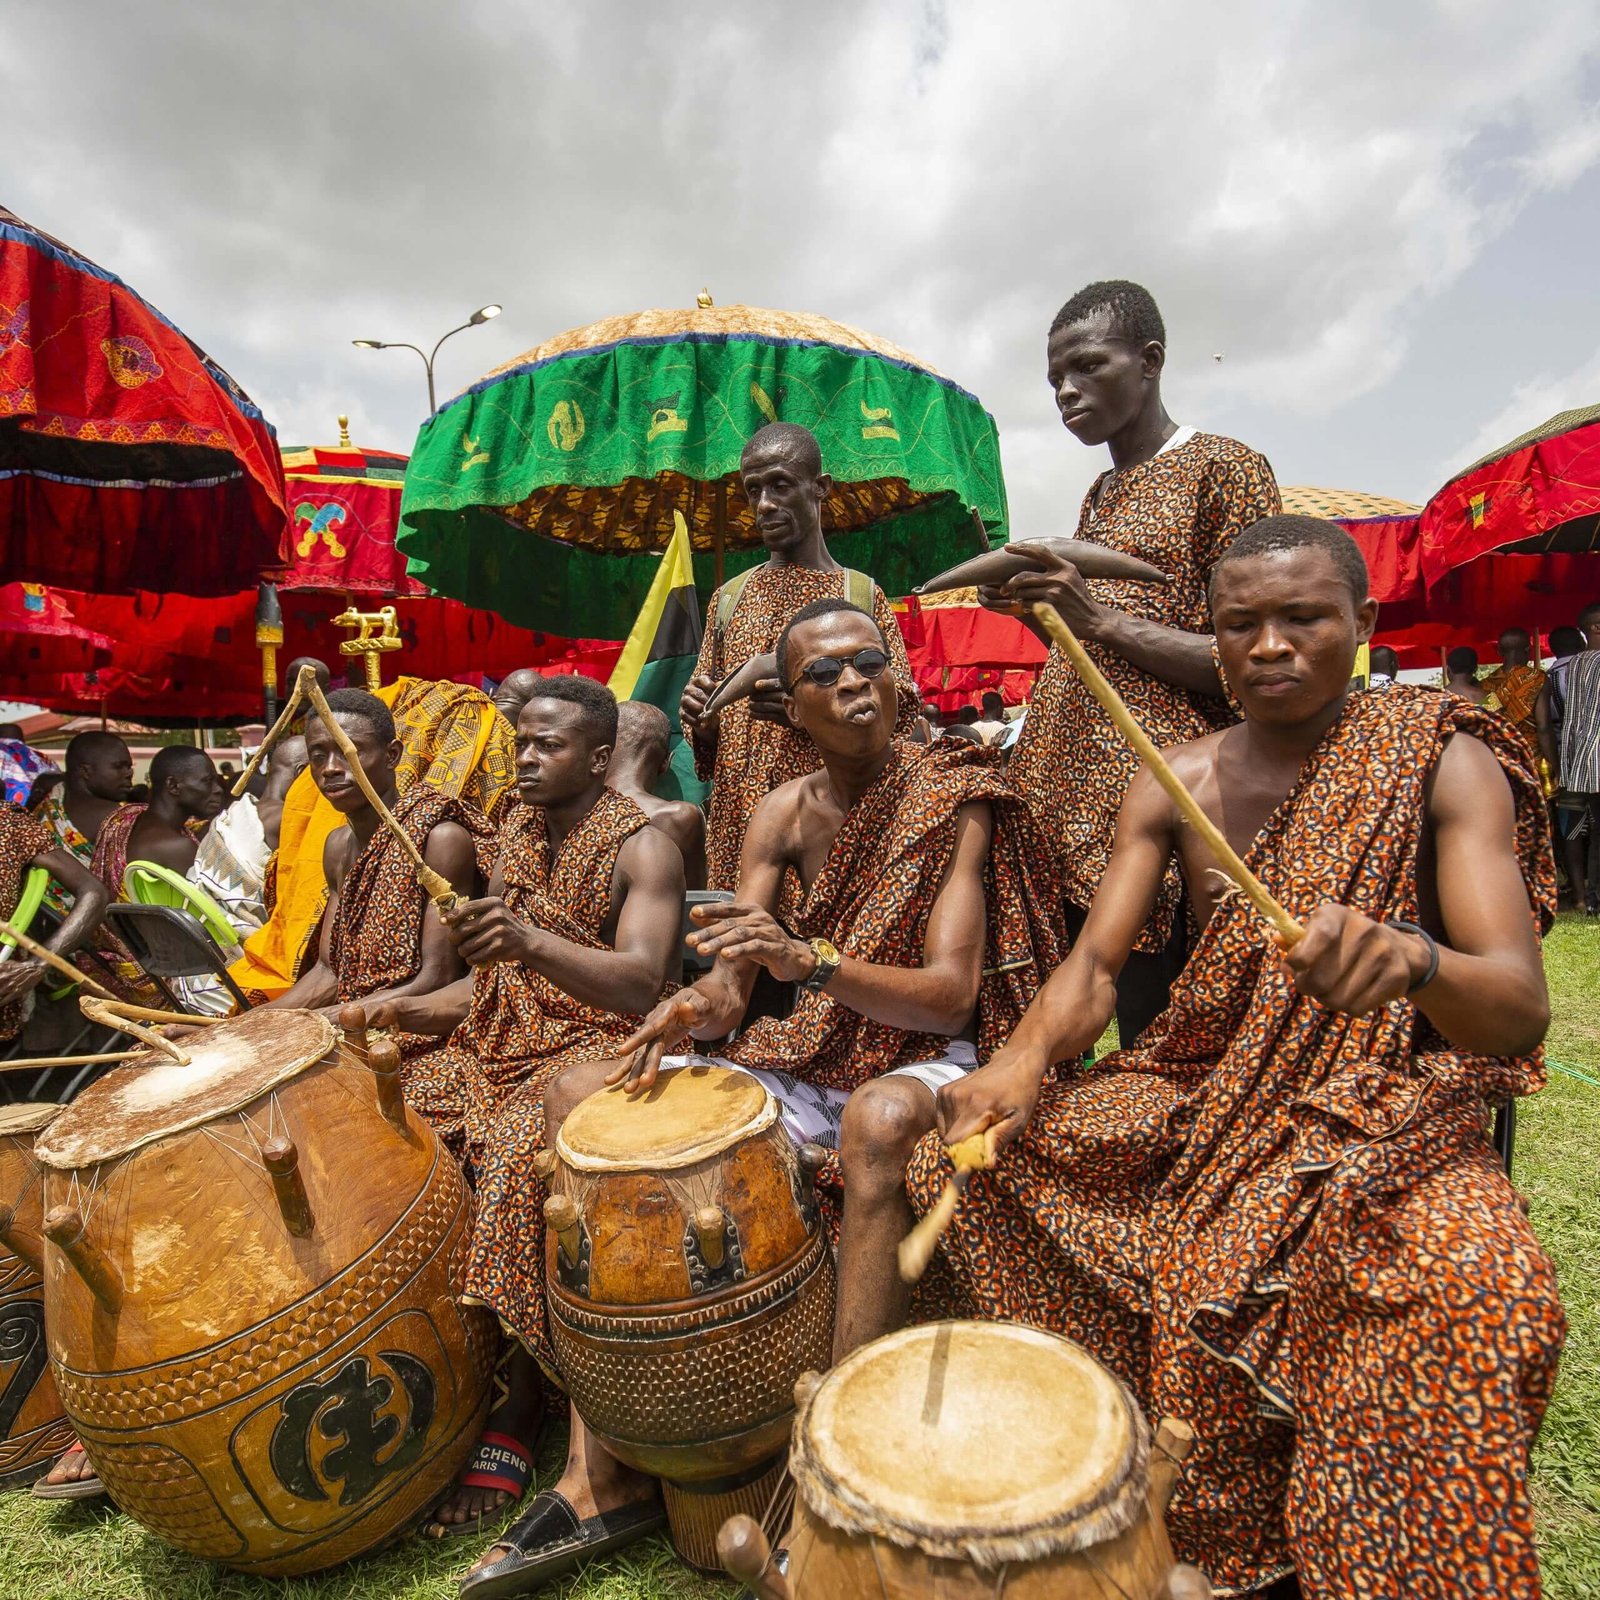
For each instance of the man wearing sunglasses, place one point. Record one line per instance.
(908, 892)
(750, 747)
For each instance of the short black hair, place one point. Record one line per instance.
(1387, 651)
(10, 730)
(1566, 641)
(367, 708)
(176, 761)
(998, 698)
(97, 745)
(1289, 531)
(1134, 314)
(593, 699)
(813, 609)
(1588, 611)
(292, 672)
(1462, 659)
(1514, 632)
(792, 439)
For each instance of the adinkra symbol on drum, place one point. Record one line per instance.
(352, 1411)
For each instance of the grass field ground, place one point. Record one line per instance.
(64, 1553)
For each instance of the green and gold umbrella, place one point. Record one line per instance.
(547, 490)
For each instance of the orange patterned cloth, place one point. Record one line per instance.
(376, 939)
(112, 961)
(1516, 689)
(22, 837)
(1286, 1225)
(1179, 511)
(752, 757)
(454, 740)
(521, 1028)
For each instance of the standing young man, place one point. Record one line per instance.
(1516, 684)
(1579, 758)
(1175, 497)
(750, 748)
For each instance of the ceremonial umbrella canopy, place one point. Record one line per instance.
(548, 488)
(127, 455)
(40, 636)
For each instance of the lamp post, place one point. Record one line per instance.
(481, 315)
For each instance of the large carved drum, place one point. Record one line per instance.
(689, 1286)
(33, 1428)
(250, 1294)
(965, 1459)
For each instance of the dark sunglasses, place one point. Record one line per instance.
(826, 671)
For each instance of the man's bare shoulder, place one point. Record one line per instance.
(648, 856)
(1198, 759)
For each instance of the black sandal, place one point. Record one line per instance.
(550, 1539)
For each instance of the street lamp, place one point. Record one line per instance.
(481, 315)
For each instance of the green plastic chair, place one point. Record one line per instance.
(34, 885)
(147, 883)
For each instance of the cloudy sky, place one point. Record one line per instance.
(1385, 217)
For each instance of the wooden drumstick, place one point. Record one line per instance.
(51, 959)
(1174, 1441)
(966, 1156)
(1288, 930)
(296, 697)
(25, 1062)
(437, 886)
(745, 1554)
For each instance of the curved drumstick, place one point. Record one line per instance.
(741, 684)
(296, 695)
(51, 959)
(996, 566)
(437, 886)
(1287, 928)
(967, 1156)
(110, 1014)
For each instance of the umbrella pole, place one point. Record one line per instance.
(719, 527)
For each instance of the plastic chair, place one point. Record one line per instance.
(34, 885)
(148, 883)
(169, 943)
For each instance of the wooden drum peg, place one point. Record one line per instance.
(544, 1165)
(747, 1556)
(562, 1216)
(283, 1167)
(383, 1056)
(1174, 1440)
(708, 1229)
(813, 1158)
(353, 1022)
(805, 1386)
(64, 1228)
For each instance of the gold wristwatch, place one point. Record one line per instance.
(828, 962)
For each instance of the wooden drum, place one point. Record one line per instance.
(250, 1294)
(33, 1428)
(965, 1458)
(690, 1284)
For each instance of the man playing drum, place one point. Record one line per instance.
(576, 939)
(381, 938)
(924, 912)
(1279, 1216)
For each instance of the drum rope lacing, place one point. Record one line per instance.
(276, 1127)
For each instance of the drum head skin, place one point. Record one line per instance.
(960, 1435)
(29, 1117)
(230, 1065)
(690, 1115)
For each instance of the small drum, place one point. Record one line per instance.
(965, 1458)
(250, 1292)
(33, 1428)
(690, 1284)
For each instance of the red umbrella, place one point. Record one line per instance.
(126, 453)
(40, 636)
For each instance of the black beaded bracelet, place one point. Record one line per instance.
(1433, 955)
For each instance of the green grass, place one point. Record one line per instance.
(67, 1553)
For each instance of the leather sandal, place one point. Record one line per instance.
(500, 1463)
(90, 1488)
(550, 1539)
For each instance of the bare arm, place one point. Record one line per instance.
(1072, 1009)
(1489, 995)
(23, 973)
(685, 824)
(1544, 722)
(629, 976)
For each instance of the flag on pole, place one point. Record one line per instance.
(658, 659)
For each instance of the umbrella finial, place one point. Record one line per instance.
(344, 432)
(704, 300)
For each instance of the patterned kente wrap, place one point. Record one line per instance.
(873, 898)
(520, 1028)
(1179, 511)
(70, 837)
(752, 757)
(22, 837)
(1516, 691)
(112, 961)
(1287, 1226)
(375, 942)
